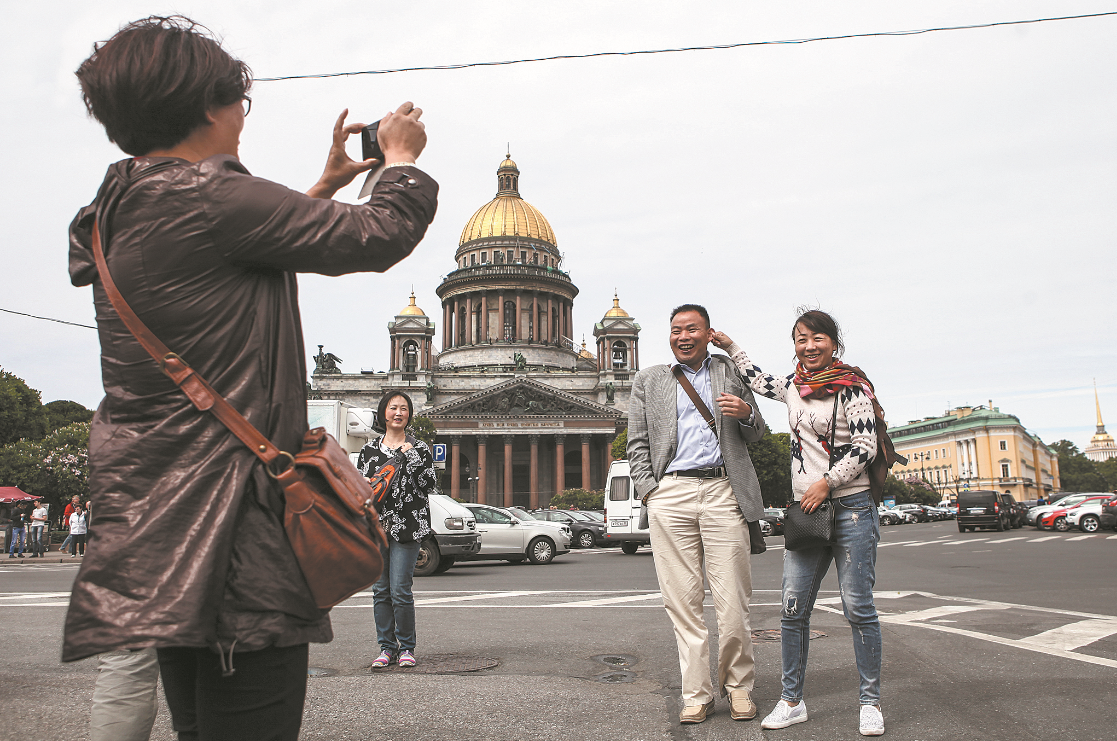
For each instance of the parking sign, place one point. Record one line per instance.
(440, 452)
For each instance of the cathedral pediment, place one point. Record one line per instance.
(522, 398)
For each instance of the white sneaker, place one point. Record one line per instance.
(872, 721)
(784, 715)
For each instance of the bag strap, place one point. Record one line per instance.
(834, 428)
(196, 388)
(700, 405)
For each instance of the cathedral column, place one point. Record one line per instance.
(533, 478)
(635, 354)
(586, 462)
(482, 464)
(548, 322)
(484, 316)
(455, 466)
(560, 464)
(457, 338)
(534, 318)
(445, 324)
(469, 319)
(507, 470)
(500, 317)
(392, 355)
(519, 318)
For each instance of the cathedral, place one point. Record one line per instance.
(524, 410)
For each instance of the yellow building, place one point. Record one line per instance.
(976, 448)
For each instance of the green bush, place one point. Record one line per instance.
(579, 498)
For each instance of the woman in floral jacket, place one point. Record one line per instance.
(405, 515)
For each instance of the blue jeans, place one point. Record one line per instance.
(854, 552)
(19, 535)
(393, 605)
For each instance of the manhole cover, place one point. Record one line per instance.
(773, 635)
(443, 665)
(616, 677)
(317, 671)
(619, 661)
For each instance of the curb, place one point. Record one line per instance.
(28, 561)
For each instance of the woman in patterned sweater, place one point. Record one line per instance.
(819, 473)
(405, 515)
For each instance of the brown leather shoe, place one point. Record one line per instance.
(697, 713)
(741, 706)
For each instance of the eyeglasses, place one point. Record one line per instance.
(247, 103)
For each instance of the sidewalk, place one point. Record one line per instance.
(49, 557)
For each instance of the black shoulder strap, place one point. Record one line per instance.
(700, 405)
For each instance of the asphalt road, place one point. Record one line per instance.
(986, 636)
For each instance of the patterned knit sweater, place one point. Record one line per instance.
(810, 420)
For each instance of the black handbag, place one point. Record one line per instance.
(801, 530)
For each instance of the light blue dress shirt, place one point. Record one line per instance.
(697, 446)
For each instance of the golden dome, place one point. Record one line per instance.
(616, 310)
(508, 215)
(411, 309)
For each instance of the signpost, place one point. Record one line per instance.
(439, 450)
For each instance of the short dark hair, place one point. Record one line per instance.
(692, 307)
(820, 321)
(382, 409)
(152, 83)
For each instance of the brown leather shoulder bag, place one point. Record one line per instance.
(329, 515)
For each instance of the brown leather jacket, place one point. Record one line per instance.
(189, 548)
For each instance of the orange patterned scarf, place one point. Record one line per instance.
(822, 383)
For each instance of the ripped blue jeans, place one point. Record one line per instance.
(854, 552)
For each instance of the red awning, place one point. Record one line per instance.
(9, 494)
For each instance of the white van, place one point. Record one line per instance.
(622, 510)
(454, 533)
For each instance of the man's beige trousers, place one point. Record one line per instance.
(694, 520)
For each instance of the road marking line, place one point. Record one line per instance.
(1005, 540)
(916, 545)
(1018, 644)
(33, 595)
(469, 597)
(1040, 540)
(1081, 537)
(933, 612)
(606, 601)
(899, 542)
(1112, 537)
(1074, 635)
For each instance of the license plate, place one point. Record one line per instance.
(618, 523)
(977, 510)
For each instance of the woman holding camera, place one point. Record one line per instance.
(191, 556)
(405, 515)
(820, 472)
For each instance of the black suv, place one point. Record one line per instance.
(986, 509)
(1109, 513)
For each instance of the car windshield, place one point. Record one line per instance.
(595, 516)
(521, 516)
(579, 516)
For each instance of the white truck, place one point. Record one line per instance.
(454, 527)
(622, 510)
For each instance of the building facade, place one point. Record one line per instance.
(1101, 447)
(976, 448)
(525, 411)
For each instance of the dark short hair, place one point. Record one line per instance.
(151, 84)
(382, 409)
(820, 321)
(692, 307)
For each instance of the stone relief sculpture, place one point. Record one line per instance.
(326, 362)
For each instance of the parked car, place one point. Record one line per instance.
(774, 517)
(1108, 516)
(1056, 519)
(505, 537)
(453, 535)
(586, 532)
(940, 513)
(1066, 501)
(991, 509)
(622, 510)
(1086, 516)
(888, 517)
(917, 510)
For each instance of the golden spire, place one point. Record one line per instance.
(616, 310)
(1101, 425)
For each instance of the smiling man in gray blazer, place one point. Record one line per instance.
(700, 488)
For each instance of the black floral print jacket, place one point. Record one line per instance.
(404, 513)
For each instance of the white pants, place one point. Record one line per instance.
(694, 521)
(124, 698)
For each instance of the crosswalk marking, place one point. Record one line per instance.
(1040, 540)
(933, 612)
(1006, 540)
(607, 600)
(1074, 635)
(1081, 537)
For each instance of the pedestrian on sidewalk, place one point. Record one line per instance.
(405, 515)
(79, 526)
(38, 525)
(20, 521)
(826, 400)
(74, 502)
(688, 423)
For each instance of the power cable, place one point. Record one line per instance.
(48, 319)
(914, 32)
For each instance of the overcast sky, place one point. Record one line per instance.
(949, 197)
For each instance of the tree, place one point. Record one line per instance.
(912, 490)
(55, 468)
(423, 428)
(579, 498)
(63, 413)
(620, 446)
(1108, 470)
(21, 410)
(1076, 471)
(771, 457)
